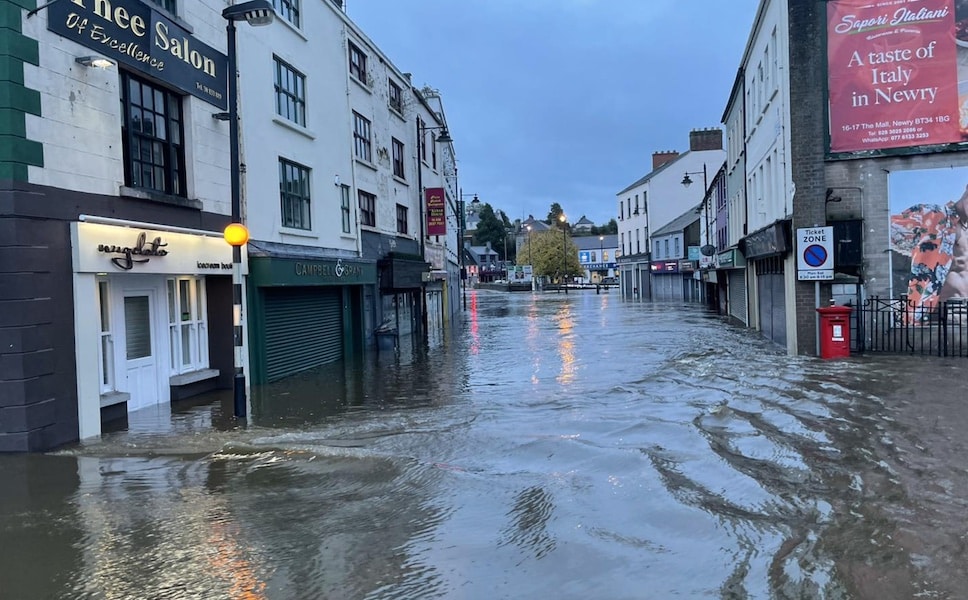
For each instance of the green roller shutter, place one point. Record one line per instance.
(304, 329)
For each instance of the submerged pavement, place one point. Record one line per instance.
(568, 446)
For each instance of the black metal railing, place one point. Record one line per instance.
(900, 326)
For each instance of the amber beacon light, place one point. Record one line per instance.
(236, 234)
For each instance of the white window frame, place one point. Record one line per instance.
(107, 380)
(195, 325)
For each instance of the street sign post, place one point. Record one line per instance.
(815, 253)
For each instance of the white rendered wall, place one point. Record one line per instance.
(80, 126)
(769, 179)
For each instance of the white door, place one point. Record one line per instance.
(141, 362)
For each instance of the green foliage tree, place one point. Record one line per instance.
(551, 253)
(490, 229)
(609, 229)
(554, 215)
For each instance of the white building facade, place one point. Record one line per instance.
(655, 200)
(117, 187)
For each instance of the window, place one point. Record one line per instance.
(187, 325)
(401, 219)
(290, 93)
(345, 207)
(396, 97)
(357, 63)
(154, 152)
(105, 348)
(361, 137)
(169, 5)
(288, 10)
(398, 158)
(657, 253)
(422, 142)
(677, 248)
(667, 253)
(433, 151)
(367, 208)
(638, 241)
(294, 194)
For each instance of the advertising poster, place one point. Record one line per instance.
(929, 237)
(898, 73)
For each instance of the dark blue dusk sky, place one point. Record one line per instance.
(564, 100)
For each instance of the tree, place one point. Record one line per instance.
(548, 257)
(610, 229)
(489, 229)
(554, 214)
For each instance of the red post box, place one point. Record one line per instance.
(834, 331)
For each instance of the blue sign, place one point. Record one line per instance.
(584, 257)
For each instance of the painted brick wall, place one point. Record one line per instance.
(807, 21)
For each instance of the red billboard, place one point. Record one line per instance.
(436, 214)
(894, 75)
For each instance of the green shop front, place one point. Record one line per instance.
(305, 312)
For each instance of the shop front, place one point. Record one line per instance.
(153, 310)
(667, 283)
(305, 312)
(731, 272)
(766, 250)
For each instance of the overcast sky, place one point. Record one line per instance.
(564, 100)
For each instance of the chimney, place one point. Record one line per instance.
(706, 139)
(661, 158)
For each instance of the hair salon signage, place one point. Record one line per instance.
(100, 248)
(135, 34)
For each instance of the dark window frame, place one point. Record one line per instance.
(345, 207)
(288, 10)
(395, 95)
(357, 60)
(367, 203)
(295, 199)
(169, 5)
(402, 219)
(362, 144)
(398, 164)
(290, 103)
(159, 158)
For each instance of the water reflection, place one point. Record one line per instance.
(573, 448)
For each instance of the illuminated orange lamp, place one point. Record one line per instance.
(236, 234)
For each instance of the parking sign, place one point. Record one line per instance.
(815, 253)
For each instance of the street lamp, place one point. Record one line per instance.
(256, 13)
(601, 253)
(445, 138)
(529, 258)
(564, 242)
(708, 249)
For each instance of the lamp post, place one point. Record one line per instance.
(564, 251)
(601, 254)
(256, 13)
(445, 138)
(708, 249)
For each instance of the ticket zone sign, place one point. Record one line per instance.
(815, 253)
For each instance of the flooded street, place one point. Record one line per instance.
(558, 446)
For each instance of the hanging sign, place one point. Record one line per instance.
(436, 213)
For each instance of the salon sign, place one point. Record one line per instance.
(136, 34)
(100, 248)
